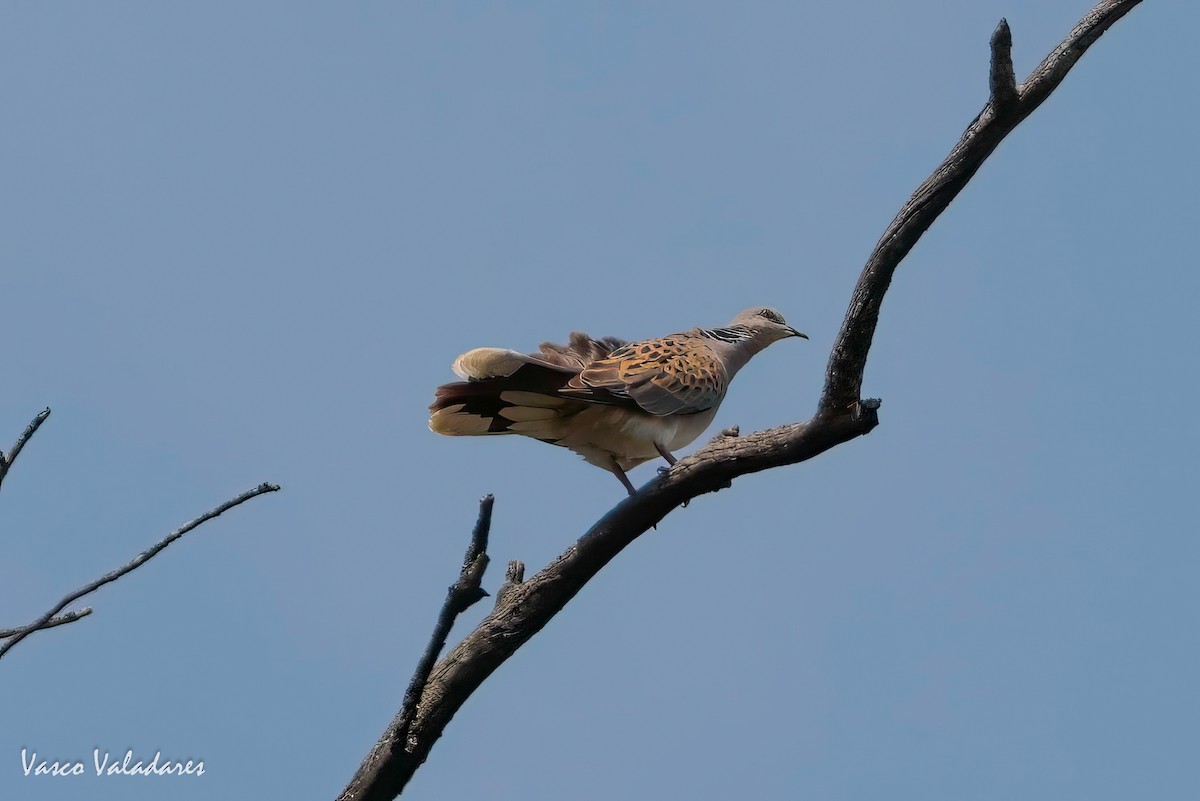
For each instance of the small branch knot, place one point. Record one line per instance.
(1002, 81)
(513, 576)
(463, 598)
(732, 431)
(515, 573)
(468, 590)
(867, 411)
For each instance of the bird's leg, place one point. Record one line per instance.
(620, 474)
(666, 454)
(671, 460)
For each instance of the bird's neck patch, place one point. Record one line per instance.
(730, 334)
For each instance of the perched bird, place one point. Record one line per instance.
(615, 403)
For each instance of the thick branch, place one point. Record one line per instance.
(137, 562)
(31, 429)
(525, 607)
(1009, 105)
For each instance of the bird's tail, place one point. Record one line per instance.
(506, 392)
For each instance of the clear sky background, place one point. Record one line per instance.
(243, 243)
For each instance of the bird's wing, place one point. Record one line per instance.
(481, 364)
(676, 374)
(580, 351)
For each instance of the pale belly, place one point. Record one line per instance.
(601, 433)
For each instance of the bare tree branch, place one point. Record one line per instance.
(30, 430)
(843, 378)
(525, 607)
(137, 562)
(69, 617)
(459, 597)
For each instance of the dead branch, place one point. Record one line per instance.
(459, 597)
(15, 451)
(69, 617)
(1007, 107)
(525, 607)
(46, 620)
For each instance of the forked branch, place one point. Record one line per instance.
(526, 606)
(1008, 105)
(459, 597)
(69, 617)
(49, 619)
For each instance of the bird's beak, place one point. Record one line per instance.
(795, 333)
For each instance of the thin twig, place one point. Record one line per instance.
(15, 451)
(137, 562)
(461, 595)
(69, 617)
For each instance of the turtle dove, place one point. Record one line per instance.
(617, 404)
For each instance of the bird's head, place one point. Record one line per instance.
(767, 324)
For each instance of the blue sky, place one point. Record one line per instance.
(243, 243)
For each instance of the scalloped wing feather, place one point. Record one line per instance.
(662, 376)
